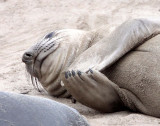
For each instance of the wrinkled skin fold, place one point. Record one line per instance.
(107, 72)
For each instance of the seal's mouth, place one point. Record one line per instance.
(38, 63)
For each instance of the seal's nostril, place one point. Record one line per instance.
(27, 57)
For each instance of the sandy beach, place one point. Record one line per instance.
(23, 23)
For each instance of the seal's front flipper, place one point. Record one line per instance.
(107, 51)
(92, 89)
(127, 36)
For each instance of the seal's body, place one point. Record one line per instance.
(105, 72)
(21, 110)
(138, 73)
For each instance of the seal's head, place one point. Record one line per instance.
(49, 57)
(34, 57)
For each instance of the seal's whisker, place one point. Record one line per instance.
(42, 43)
(33, 82)
(43, 49)
(45, 42)
(37, 87)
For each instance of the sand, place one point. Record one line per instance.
(22, 23)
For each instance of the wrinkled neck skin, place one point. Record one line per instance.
(64, 56)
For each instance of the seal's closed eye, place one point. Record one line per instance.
(50, 35)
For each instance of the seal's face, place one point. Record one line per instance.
(56, 51)
(34, 57)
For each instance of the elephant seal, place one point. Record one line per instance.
(105, 72)
(22, 110)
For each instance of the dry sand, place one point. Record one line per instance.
(23, 22)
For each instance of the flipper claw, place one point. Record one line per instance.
(66, 75)
(73, 73)
(69, 73)
(79, 73)
(91, 70)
